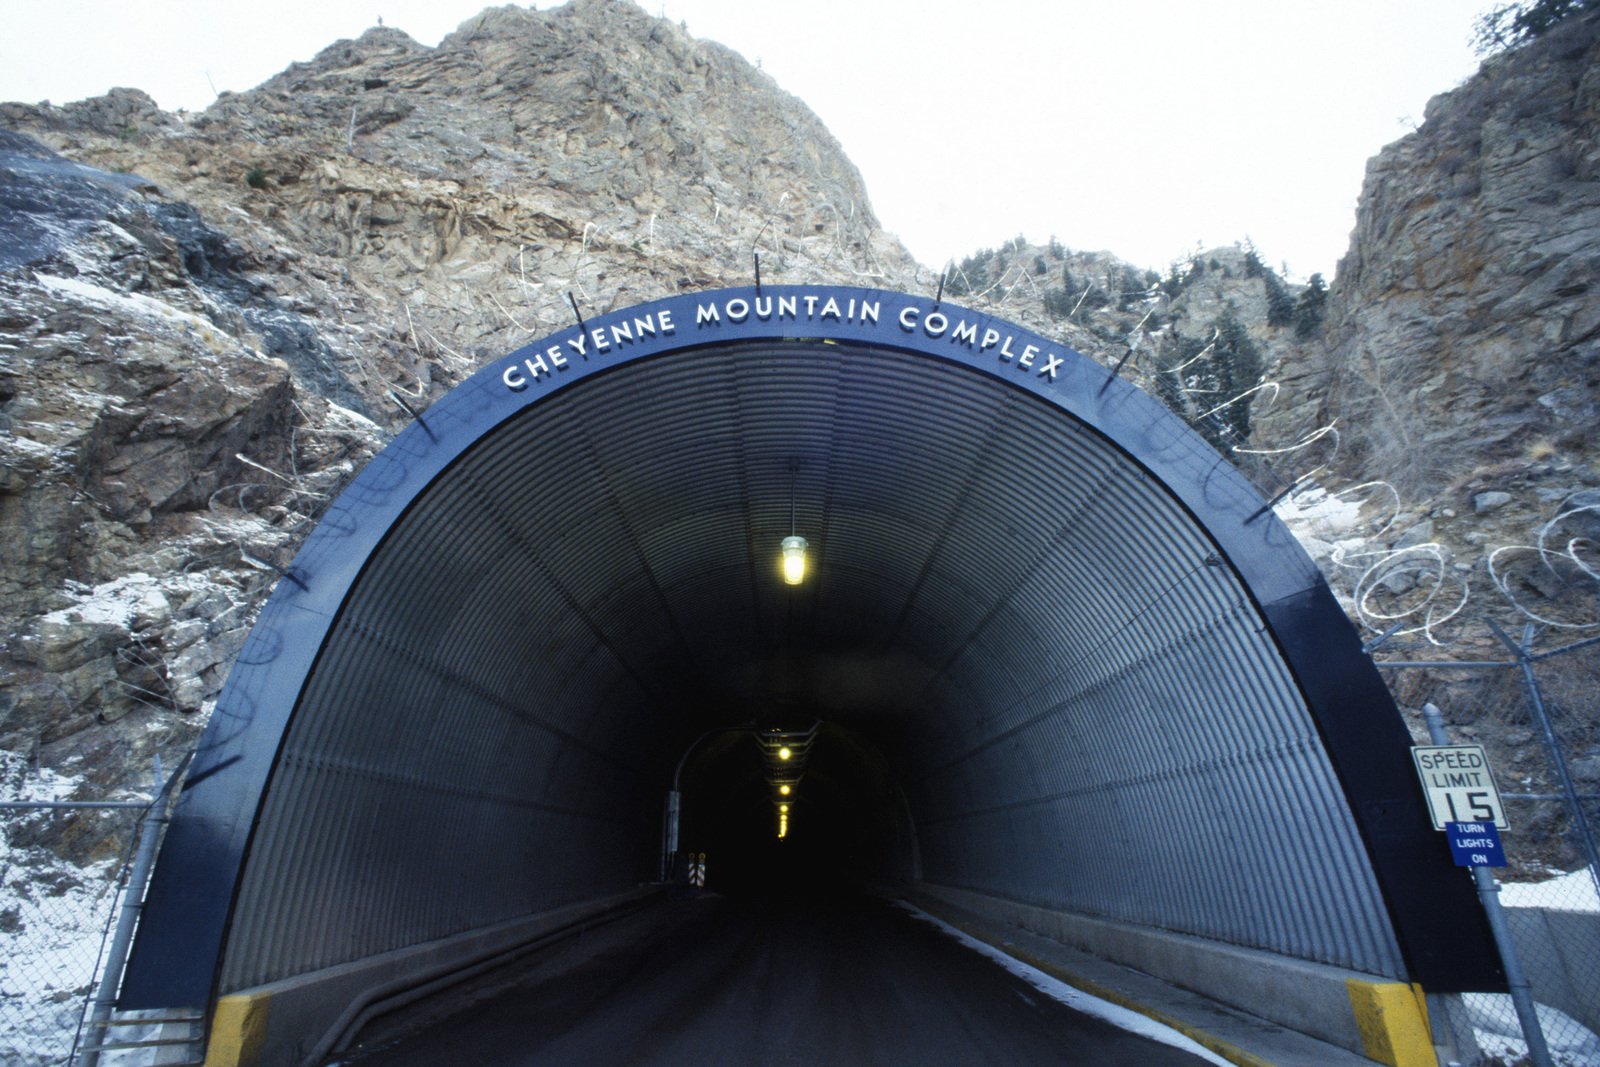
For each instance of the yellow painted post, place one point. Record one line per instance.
(237, 1030)
(1392, 1018)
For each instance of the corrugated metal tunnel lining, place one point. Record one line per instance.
(1027, 627)
(1077, 663)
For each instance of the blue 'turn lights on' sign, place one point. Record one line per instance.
(1475, 844)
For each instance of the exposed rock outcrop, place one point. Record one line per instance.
(1461, 361)
(208, 322)
(1469, 302)
(146, 430)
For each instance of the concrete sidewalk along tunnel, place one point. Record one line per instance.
(1053, 658)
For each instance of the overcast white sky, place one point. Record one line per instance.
(1143, 128)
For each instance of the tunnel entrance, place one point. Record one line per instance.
(1103, 679)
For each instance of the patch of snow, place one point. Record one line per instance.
(20, 782)
(116, 603)
(1499, 1034)
(1074, 998)
(131, 304)
(1321, 514)
(1568, 892)
(25, 444)
(354, 418)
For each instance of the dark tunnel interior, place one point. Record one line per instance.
(843, 826)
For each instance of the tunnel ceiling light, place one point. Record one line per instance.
(785, 752)
(783, 790)
(794, 560)
(783, 808)
(793, 547)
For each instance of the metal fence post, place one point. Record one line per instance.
(1489, 894)
(128, 919)
(1558, 757)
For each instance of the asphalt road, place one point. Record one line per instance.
(755, 981)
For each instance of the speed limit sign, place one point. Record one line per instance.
(1458, 785)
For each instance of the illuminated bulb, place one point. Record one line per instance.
(783, 790)
(784, 753)
(783, 807)
(794, 560)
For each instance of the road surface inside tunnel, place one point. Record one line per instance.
(755, 979)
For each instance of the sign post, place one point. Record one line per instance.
(1457, 782)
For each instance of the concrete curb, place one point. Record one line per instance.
(300, 1020)
(1248, 1039)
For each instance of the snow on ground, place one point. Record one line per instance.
(1074, 998)
(1320, 513)
(115, 603)
(1326, 525)
(123, 601)
(11, 442)
(1494, 1022)
(53, 916)
(1567, 892)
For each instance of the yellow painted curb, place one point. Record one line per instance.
(1226, 1049)
(237, 1030)
(1393, 1020)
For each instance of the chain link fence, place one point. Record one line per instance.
(1533, 703)
(67, 916)
(62, 870)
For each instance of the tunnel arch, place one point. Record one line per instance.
(1106, 678)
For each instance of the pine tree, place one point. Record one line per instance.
(1238, 368)
(1170, 391)
(973, 274)
(1218, 383)
(1280, 305)
(1311, 307)
(1508, 25)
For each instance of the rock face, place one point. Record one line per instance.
(1470, 298)
(1199, 337)
(454, 196)
(209, 322)
(1461, 359)
(146, 430)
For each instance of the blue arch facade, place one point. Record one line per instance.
(189, 909)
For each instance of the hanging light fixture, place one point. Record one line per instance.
(793, 547)
(794, 559)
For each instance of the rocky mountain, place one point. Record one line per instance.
(1460, 364)
(1437, 408)
(209, 322)
(1200, 336)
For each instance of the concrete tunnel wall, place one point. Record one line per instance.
(1106, 681)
